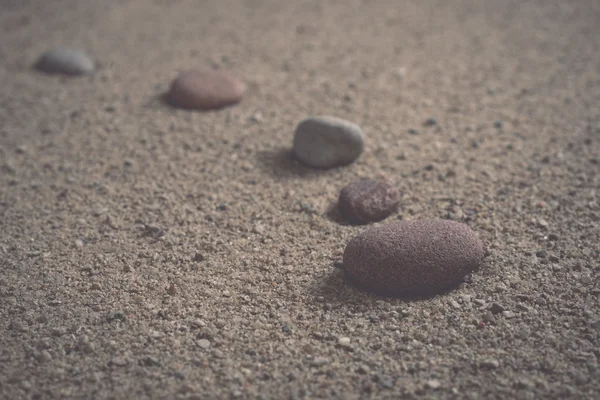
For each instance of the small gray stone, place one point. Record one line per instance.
(327, 142)
(118, 361)
(45, 356)
(63, 60)
(320, 361)
(490, 363)
(433, 384)
(488, 316)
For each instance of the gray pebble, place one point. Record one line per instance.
(320, 361)
(433, 384)
(62, 60)
(118, 361)
(326, 142)
(497, 308)
(490, 363)
(45, 356)
(488, 316)
(430, 122)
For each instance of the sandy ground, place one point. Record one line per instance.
(147, 252)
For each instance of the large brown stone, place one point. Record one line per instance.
(413, 257)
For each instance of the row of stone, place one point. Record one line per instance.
(405, 257)
(203, 89)
(321, 142)
(402, 258)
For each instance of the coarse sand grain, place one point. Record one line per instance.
(149, 252)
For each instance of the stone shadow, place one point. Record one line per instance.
(281, 163)
(338, 288)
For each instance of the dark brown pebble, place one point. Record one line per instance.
(413, 257)
(368, 200)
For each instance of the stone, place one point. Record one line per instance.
(327, 142)
(205, 89)
(45, 356)
(497, 308)
(368, 200)
(416, 257)
(490, 363)
(320, 361)
(430, 122)
(433, 384)
(67, 61)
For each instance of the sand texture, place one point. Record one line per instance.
(148, 252)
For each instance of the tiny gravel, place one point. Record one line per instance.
(150, 252)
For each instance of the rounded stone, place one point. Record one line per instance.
(327, 142)
(368, 200)
(416, 257)
(206, 89)
(63, 60)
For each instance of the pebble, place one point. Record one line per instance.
(430, 122)
(413, 257)
(454, 304)
(433, 384)
(119, 361)
(552, 237)
(45, 356)
(327, 142)
(206, 89)
(368, 200)
(67, 61)
(344, 341)
(320, 361)
(496, 308)
(491, 363)
(488, 317)
(204, 343)
(541, 253)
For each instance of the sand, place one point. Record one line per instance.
(149, 252)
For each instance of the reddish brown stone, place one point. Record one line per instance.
(413, 257)
(206, 89)
(368, 200)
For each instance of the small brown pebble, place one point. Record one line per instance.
(205, 89)
(172, 290)
(368, 200)
(413, 257)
